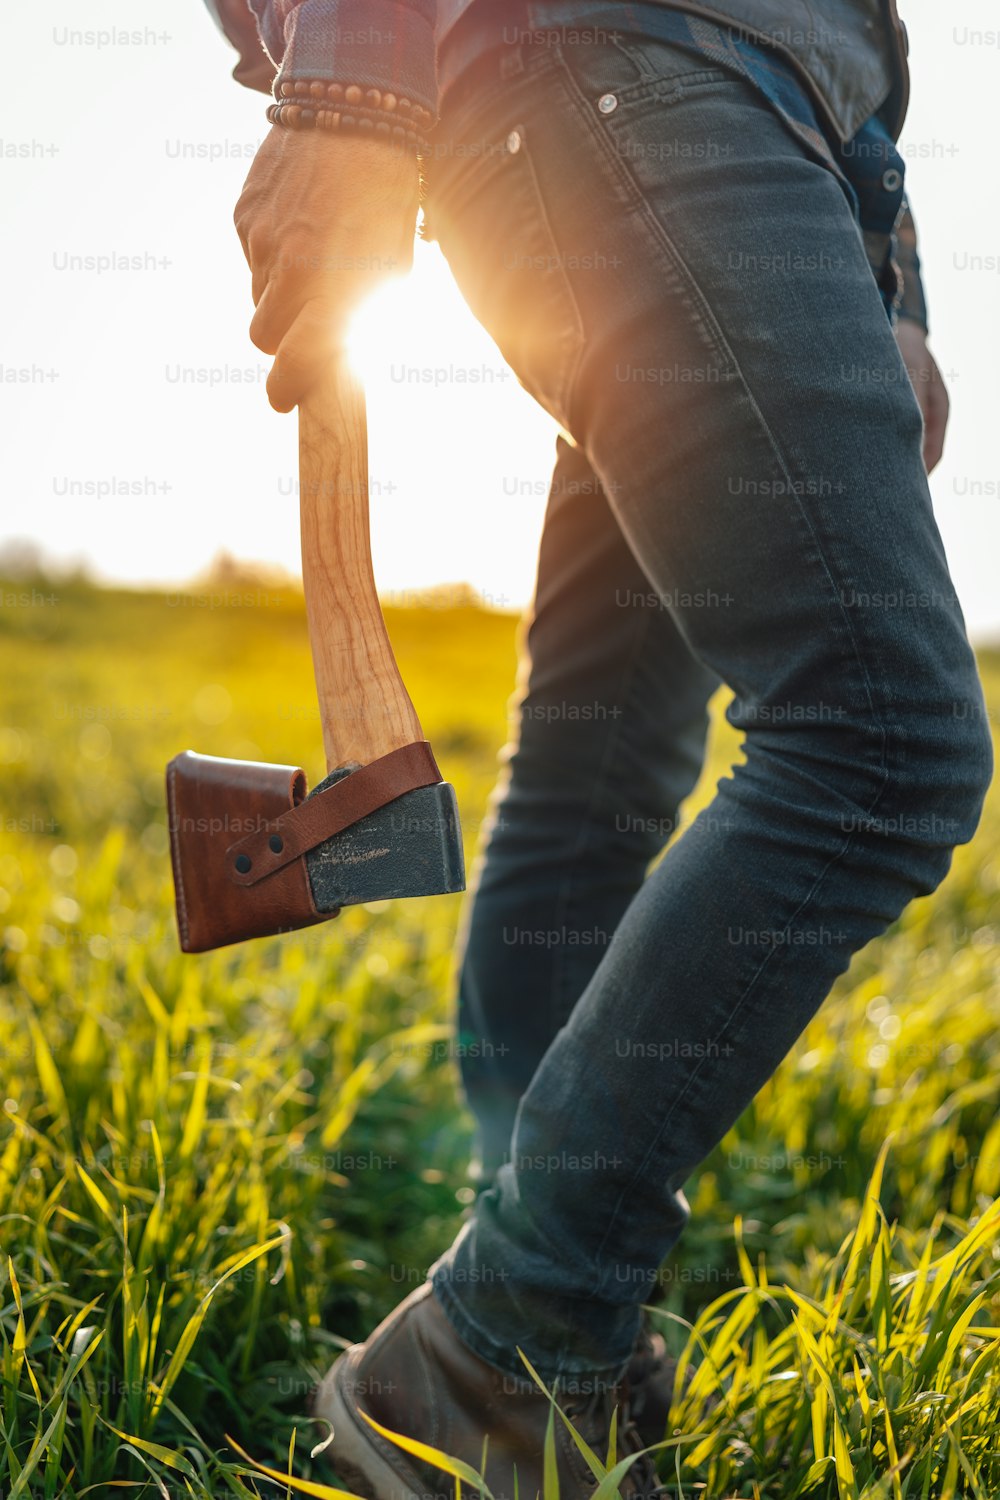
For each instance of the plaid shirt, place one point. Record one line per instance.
(390, 44)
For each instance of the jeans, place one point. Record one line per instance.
(739, 496)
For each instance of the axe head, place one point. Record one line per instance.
(410, 847)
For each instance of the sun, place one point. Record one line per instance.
(452, 438)
(378, 325)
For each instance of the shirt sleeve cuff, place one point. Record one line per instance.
(387, 45)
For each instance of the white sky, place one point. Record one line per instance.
(459, 471)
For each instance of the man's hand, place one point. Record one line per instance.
(928, 385)
(322, 218)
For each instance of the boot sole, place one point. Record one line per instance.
(367, 1462)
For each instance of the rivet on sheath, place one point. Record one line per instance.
(275, 843)
(514, 141)
(607, 103)
(243, 863)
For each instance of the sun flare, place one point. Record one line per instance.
(459, 454)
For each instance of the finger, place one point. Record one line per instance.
(937, 427)
(284, 297)
(260, 272)
(272, 319)
(259, 258)
(305, 352)
(936, 423)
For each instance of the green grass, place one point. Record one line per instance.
(216, 1171)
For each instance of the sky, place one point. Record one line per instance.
(137, 436)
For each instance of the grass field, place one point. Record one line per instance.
(216, 1171)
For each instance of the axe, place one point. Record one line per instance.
(252, 854)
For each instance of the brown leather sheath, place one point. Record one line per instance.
(240, 831)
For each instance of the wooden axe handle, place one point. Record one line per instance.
(364, 708)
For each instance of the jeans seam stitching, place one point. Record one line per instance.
(666, 90)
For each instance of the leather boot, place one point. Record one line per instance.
(415, 1376)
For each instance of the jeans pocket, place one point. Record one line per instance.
(486, 209)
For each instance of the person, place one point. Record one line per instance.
(685, 227)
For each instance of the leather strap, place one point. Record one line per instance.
(319, 817)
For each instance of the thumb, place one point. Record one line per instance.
(313, 341)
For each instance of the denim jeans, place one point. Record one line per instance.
(739, 496)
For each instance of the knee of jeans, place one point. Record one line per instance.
(907, 775)
(939, 769)
(970, 765)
